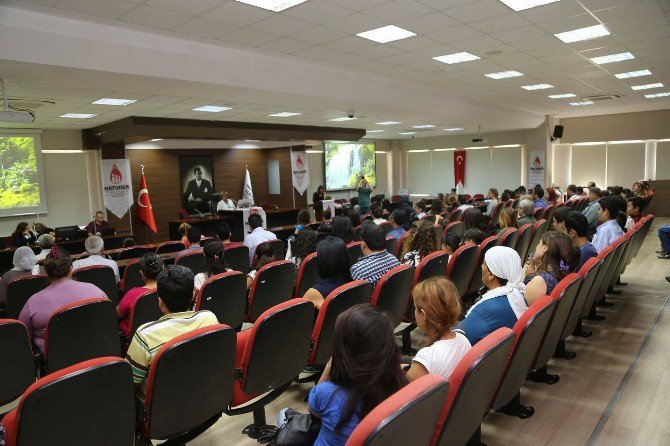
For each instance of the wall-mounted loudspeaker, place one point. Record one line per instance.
(558, 132)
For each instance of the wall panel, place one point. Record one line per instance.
(663, 160)
(625, 164)
(588, 164)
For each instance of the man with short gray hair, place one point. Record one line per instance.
(526, 209)
(44, 241)
(94, 246)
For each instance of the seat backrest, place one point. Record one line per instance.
(192, 259)
(399, 245)
(236, 256)
(58, 409)
(386, 226)
(523, 241)
(564, 295)
(101, 276)
(455, 215)
(134, 252)
(355, 252)
(472, 386)
(461, 267)
(17, 355)
(277, 346)
(476, 282)
(80, 331)
(408, 417)
(434, 264)
(168, 247)
(308, 275)
(548, 214)
(144, 310)
(393, 291)
(337, 302)
(272, 285)
(495, 213)
(225, 295)
(608, 276)
(538, 231)
(589, 272)
(455, 227)
(509, 238)
(190, 380)
(529, 330)
(278, 248)
(537, 213)
(20, 290)
(391, 244)
(131, 276)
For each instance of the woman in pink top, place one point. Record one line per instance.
(150, 265)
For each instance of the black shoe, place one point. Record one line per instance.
(664, 256)
(667, 278)
(622, 284)
(615, 292)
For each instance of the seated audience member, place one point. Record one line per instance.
(183, 230)
(591, 210)
(576, 226)
(505, 196)
(572, 193)
(507, 220)
(420, 209)
(641, 188)
(590, 184)
(525, 212)
(24, 262)
(473, 237)
(62, 291)
(40, 228)
(355, 217)
(327, 224)
(333, 265)
(194, 236)
(517, 194)
(440, 196)
(553, 259)
(437, 307)
(493, 201)
(582, 192)
(504, 302)
(608, 229)
(664, 237)
(343, 229)
(450, 243)
(522, 189)
(214, 263)
(473, 218)
(622, 218)
(436, 209)
(223, 232)
(422, 241)
(634, 206)
(558, 218)
(450, 201)
(303, 220)
(552, 196)
(377, 212)
(538, 197)
(463, 203)
(94, 246)
(397, 219)
(258, 235)
(225, 204)
(129, 242)
(363, 371)
(264, 254)
(175, 298)
(301, 246)
(22, 235)
(150, 265)
(97, 225)
(376, 261)
(45, 242)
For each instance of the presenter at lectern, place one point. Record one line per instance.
(198, 191)
(226, 204)
(364, 191)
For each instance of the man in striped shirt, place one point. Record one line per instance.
(376, 261)
(175, 291)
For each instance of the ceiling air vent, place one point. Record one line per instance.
(602, 97)
(29, 103)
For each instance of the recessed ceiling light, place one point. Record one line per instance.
(576, 104)
(657, 95)
(520, 5)
(417, 151)
(386, 34)
(503, 74)
(423, 126)
(454, 129)
(388, 123)
(630, 74)
(211, 108)
(647, 86)
(156, 139)
(285, 114)
(111, 101)
(342, 118)
(506, 146)
(537, 87)
(78, 115)
(375, 131)
(273, 5)
(612, 58)
(252, 140)
(456, 58)
(588, 33)
(562, 96)
(408, 133)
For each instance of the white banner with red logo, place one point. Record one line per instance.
(117, 186)
(536, 168)
(300, 171)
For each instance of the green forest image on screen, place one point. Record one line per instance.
(18, 173)
(345, 163)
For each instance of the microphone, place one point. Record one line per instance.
(199, 213)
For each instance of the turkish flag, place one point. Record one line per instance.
(459, 170)
(144, 210)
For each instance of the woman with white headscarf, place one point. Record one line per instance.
(24, 265)
(504, 303)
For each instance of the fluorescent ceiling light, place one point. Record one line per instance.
(630, 74)
(630, 141)
(110, 101)
(388, 123)
(409, 133)
(505, 146)
(575, 104)
(475, 147)
(62, 151)
(456, 58)
(156, 139)
(380, 152)
(454, 129)
(423, 126)
(612, 58)
(313, 151)
(592, 143)
(562, 96)
(273, 5)
(285, 114)
(386, 34)
(374, 131)
(252, 140)
(504, 74)
(444, 150)
(647, 86)
(537, 87)
(588, 33)
(211, 108)
(78, 115)
(343, 118)
(520, 5)
(418, 151)
(657, 95)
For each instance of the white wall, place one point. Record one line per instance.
(663, 160)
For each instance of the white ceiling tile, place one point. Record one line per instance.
(97, 8)
(629, 10)
(502, 23)
(414, 43)
(191, 7)
(317, 11)
(154, 17)
(378, 51)
(284, 45)
(476, 43)
(542, 42)
(398, 11)
(645, 34)
(443, 4)
(354, 24)
(553, 11)
(351, 44)
(205, 28)
(523, 33)
(429, 23)
(638, 23)
(249, 37)
(280, 25)
(318, 35)
(478, 10)
(238, 14)
(454, 34)
(42, 2)
(358, 5)
(568, 24)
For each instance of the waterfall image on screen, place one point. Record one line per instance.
(346, 162)
(19, 180)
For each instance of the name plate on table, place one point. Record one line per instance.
(245, 217)
(329, 204)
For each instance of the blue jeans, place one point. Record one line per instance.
(664, 235)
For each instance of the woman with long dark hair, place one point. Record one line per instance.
(423, 240)
(474, 219)
(343, 229)
(301, 246)
(214, 263)
(265, 254)
(22, 235)
(333, 265)
(354, 217)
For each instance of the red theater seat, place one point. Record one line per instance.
(272, 285)
(144, 310)
(455, 215)
(399, 245)
(192, 259)
(393, 292)
(509, 238)
(355, 252)
(101, 276)
(17, 355)
(391, 244)
(538, 231)
(308, 275)
(134, 252)
(20, 290)
(225, 295)
(455, 227)
(525, 237)
(461, 267)
(236, 256)
(476, 282)
(131, 276)
(168, 247)
(386, 226)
